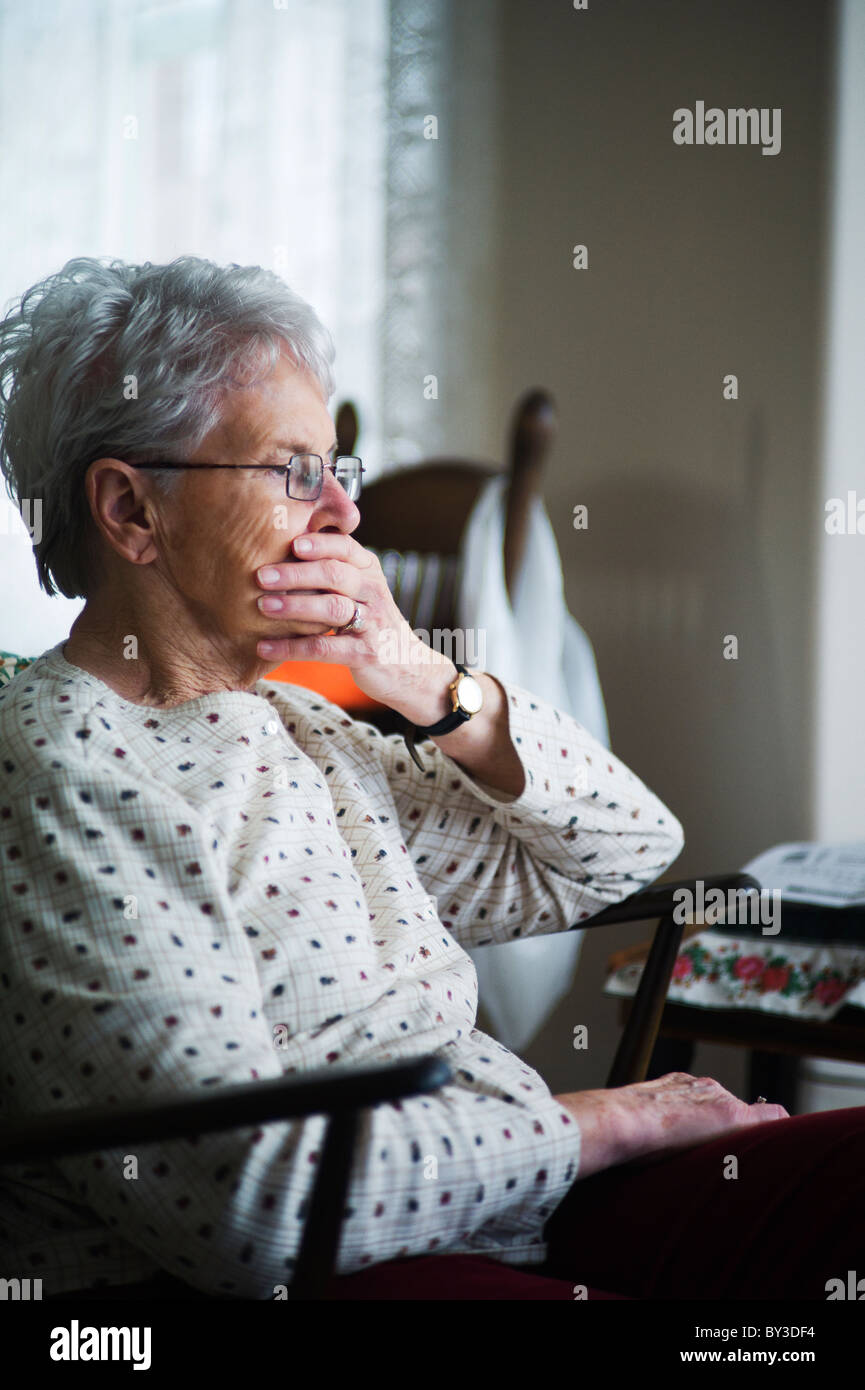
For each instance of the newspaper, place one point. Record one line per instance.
(826, 875)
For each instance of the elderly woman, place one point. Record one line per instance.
(210, 878)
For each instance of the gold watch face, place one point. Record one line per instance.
(469, 694)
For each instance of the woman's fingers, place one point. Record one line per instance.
(764, 1111)
(334, 610)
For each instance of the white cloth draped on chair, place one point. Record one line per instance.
(537, 644)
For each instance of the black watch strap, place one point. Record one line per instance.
(451, 720)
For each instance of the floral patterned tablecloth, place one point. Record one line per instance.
(720, 971)
(10, 666)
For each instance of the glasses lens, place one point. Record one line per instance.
(304, 477)
(348, 474)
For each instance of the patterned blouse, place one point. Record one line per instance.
(252, 883)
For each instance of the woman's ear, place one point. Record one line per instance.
(122, 509)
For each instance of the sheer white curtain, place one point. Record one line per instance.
(233, 129)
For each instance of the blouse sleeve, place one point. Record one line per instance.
(584, 834)
(133, 979)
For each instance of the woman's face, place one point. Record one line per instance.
(221, 526)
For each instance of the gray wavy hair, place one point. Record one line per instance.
(185, 334)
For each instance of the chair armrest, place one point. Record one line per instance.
(637, 1043)
(337, 1092)
(330, 1091)
(658, 901)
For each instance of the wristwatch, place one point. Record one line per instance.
(467, 698)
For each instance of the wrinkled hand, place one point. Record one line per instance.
(676, 1111)
(311, 596)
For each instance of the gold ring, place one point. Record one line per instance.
(356, 622)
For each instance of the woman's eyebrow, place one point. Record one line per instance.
(295, 446)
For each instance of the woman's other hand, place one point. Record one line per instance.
(675, 1111)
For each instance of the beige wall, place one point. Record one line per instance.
(702, 262)
(839, 753)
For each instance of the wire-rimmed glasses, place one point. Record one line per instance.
(304, 473)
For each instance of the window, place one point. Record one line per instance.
(242, 132)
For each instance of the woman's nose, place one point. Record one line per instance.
(334, 505)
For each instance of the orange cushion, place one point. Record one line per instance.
(334, 682)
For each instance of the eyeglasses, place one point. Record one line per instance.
(304, 473)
